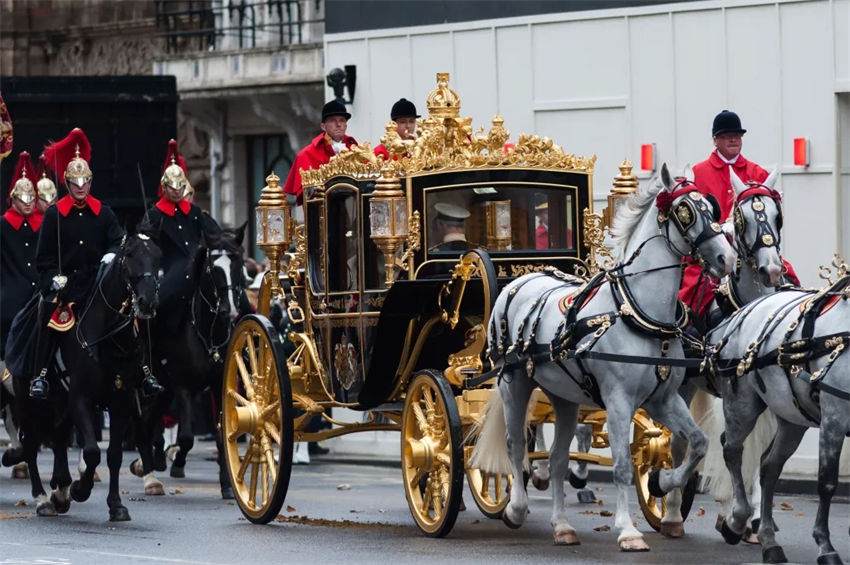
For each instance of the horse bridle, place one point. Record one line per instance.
(214, 308)
(684, 216)
(765, 236)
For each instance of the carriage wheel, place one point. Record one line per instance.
(651, 451)
(491, 491)
(431, 455)
(257, 419)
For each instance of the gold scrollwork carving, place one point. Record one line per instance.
(299, 258)
(414, 239)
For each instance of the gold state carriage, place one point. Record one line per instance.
(382, 317)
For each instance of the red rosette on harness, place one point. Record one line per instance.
(23, 181)
(171, 175)
(70, 154)
(665, 199)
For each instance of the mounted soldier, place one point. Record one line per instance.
(181, 228)
(18, 239)
(77, 235)
(47, 193)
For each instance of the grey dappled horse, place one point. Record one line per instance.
(784, 352)
(756, 221)
(634, 312)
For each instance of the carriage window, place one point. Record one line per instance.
(343, 240)
(315, 252)
(500, 218)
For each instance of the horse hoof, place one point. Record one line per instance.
(20, 471)
(729, 536)
(539, 484)
(577, 482)
(119, 514)
(95, 477)
(178, 472)
(46, 509)
(830, 559)
(154, 489)
(12, 456)
(171, 451)
(61, 506)
(655, 484)
(672, 529)
(227, 493)
(775, 555)
(78, 493)
(509, 523)
(566, 537)
(750, 537)
(137, 468)
(631, 544)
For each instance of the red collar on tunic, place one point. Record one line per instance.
(169, 208)
(66, 203)
(325, 142)
(719, 163)
(16, 219)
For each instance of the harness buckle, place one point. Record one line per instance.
(295, 313)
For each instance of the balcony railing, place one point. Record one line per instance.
(217, 25)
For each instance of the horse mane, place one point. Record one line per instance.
(629, 214)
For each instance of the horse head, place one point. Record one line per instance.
(228, 271)
(695, 217)
(757, 217)
(139, 259)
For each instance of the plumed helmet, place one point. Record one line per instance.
(404, 108)
(46, 188)
(174, 170)
(70, 157)
(726, 122)
(22, 182)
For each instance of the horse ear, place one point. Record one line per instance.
(666, 178)
(771, 178)
(239, 234)
(737, 184)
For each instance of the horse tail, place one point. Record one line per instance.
(716, 477)
(491, 448)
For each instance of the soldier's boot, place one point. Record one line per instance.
(44, 351)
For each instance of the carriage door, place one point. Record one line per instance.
(344, 291)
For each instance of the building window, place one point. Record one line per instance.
(266, 153)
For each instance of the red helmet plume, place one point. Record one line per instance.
(69, 156)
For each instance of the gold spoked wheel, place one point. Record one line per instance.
(491, 491)
(650, 452)
(431, 455)
(257, 419)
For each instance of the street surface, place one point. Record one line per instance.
(338, 512)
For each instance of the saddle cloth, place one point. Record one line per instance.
(63, 318)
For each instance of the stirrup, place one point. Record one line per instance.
(39, 388)
(151, 386)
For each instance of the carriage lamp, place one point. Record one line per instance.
(625, 184)
(274, 226)
(388, 218)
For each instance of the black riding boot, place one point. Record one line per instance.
(150, 385)
(43, 353)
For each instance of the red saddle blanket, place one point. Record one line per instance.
(63, 318)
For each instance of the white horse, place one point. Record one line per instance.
(755, 222)
(605, 350)
(784, 352)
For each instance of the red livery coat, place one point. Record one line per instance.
(318, 153)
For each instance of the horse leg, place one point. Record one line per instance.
(223, 475)
(516, 389)
(788, 437)
(61, 480)
(619, 415)
(82, 411)
(29, 454)
(119, 413)
(741, 409)
(540, 474)
(673, 523)
(578, 474)
(566, 417)
(185, 436)
(831, 440)
(19, 470)
(143, 465)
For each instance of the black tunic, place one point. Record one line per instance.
(180, 236)
(18, 275)
(84, 238)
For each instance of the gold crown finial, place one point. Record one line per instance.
(273, 180)
(443, 102)
(625, 182)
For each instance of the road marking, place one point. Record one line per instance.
(62, 561)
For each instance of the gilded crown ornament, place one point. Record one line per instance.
(173, 177)
(77, 167)
(443, 102)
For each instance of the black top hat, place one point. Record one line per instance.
(404, 108)
(334, 108)
(726, 122)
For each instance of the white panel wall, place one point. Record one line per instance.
(841, 38)
(513, 54)
(475, 74)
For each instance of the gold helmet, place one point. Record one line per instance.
(22, 187)
(174, 174)
(47, 189)
(70, 158)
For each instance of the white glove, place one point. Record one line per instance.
(59, 282)
(107, 258)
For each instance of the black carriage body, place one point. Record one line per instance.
(369, 338)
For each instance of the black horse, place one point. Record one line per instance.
(100, 360)
(193, 356)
